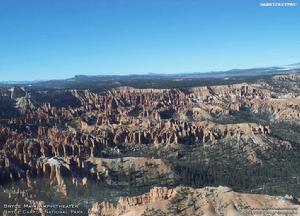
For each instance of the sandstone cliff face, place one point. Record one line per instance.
(124, 204)
(208, 201)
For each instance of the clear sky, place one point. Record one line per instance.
(45, 39)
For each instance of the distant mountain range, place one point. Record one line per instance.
(233, 72)
(87, 81)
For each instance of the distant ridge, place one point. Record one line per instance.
(152, 79)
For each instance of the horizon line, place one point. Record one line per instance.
(145, 74)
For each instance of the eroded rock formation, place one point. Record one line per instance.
(74, 128)
(208, 201)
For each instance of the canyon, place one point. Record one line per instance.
(167, 139)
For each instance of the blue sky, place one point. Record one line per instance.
(56, 39)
